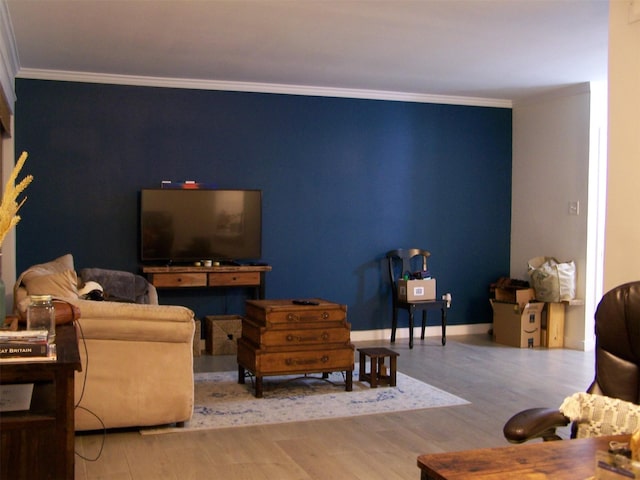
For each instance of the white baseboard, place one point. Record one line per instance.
(582, 345)
(452, 330)
(433, 331)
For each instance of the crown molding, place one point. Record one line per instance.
(285, 89)
(553, 93)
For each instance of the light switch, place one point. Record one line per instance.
(574, 208)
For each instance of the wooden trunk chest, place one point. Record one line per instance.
(283, 338)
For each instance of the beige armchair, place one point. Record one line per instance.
(137, 359)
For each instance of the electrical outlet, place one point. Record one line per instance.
(574, 208)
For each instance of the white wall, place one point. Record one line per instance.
(8, 67)
(622, 234)
(8, 56)
(551, 152)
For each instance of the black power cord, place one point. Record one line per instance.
(78, 406)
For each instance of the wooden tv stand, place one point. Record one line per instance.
(209, 277)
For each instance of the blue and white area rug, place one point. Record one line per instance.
(221, 402)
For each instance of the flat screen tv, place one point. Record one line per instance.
(188, 225)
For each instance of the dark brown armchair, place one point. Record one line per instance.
(617, 365)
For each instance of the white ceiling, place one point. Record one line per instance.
(488, 49)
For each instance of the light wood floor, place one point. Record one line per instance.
(497, 380)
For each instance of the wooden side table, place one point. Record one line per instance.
(40, 442)
(376, 376)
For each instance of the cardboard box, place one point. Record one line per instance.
(553, 325)
(416, 290)
(515, 325)
(222, 333)
(521, 296)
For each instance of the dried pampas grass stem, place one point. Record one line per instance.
(9, 207)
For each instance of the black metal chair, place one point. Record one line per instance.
(617, 361)
(411, 260)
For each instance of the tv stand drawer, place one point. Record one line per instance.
(229, 279)
(179, 280)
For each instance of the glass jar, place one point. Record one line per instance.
(41, 315)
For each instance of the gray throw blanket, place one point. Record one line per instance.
(118, 286)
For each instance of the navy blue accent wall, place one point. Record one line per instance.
(343, 180)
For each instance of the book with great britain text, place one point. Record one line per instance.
(23, 343)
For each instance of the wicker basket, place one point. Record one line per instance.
(222, 333)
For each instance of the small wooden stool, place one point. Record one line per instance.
(376, 376)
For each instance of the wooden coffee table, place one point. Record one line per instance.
(559, 460)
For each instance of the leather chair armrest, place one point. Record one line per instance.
(534, 423)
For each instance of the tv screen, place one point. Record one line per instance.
(184, 225)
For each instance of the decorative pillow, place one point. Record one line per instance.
(58, 265)
(597, 415)
(61, 285)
